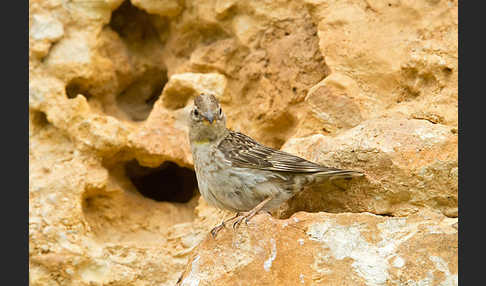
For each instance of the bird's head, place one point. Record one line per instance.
(207, 120)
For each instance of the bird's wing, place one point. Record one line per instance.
(243, 151)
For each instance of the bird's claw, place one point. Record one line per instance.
(236, 224)
(245, 218)
(216, 229)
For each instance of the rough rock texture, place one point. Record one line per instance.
(329, 249)
(409, 164)
(365, 85)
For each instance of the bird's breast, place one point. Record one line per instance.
(234, 188)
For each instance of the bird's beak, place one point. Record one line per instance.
(209, 117)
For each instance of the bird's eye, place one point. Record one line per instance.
(196, 112)
(220, 111)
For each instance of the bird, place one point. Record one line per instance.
(234, 172)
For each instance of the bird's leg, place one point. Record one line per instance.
(217, 228)
(230, 219)
(248, 215)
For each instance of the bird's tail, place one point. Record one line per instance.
(339, 174)
(327, 175)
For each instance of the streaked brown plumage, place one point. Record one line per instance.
(242, 151)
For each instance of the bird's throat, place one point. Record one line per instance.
(202, 141)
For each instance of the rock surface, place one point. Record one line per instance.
(409, 164)
(329, 249)
(370, 86)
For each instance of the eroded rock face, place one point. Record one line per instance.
(329, 249)
(370, 86)
(409, 164)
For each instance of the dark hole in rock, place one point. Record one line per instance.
(74, 88)
(447, 71)
(39, 118)
(133, 25)
(138, 99)
(387, 214)
(168, 182)
(140, 32)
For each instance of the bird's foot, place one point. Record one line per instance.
(216, 229)
(248, 215)
(245, 217)
(240, 219)
(222, 225)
